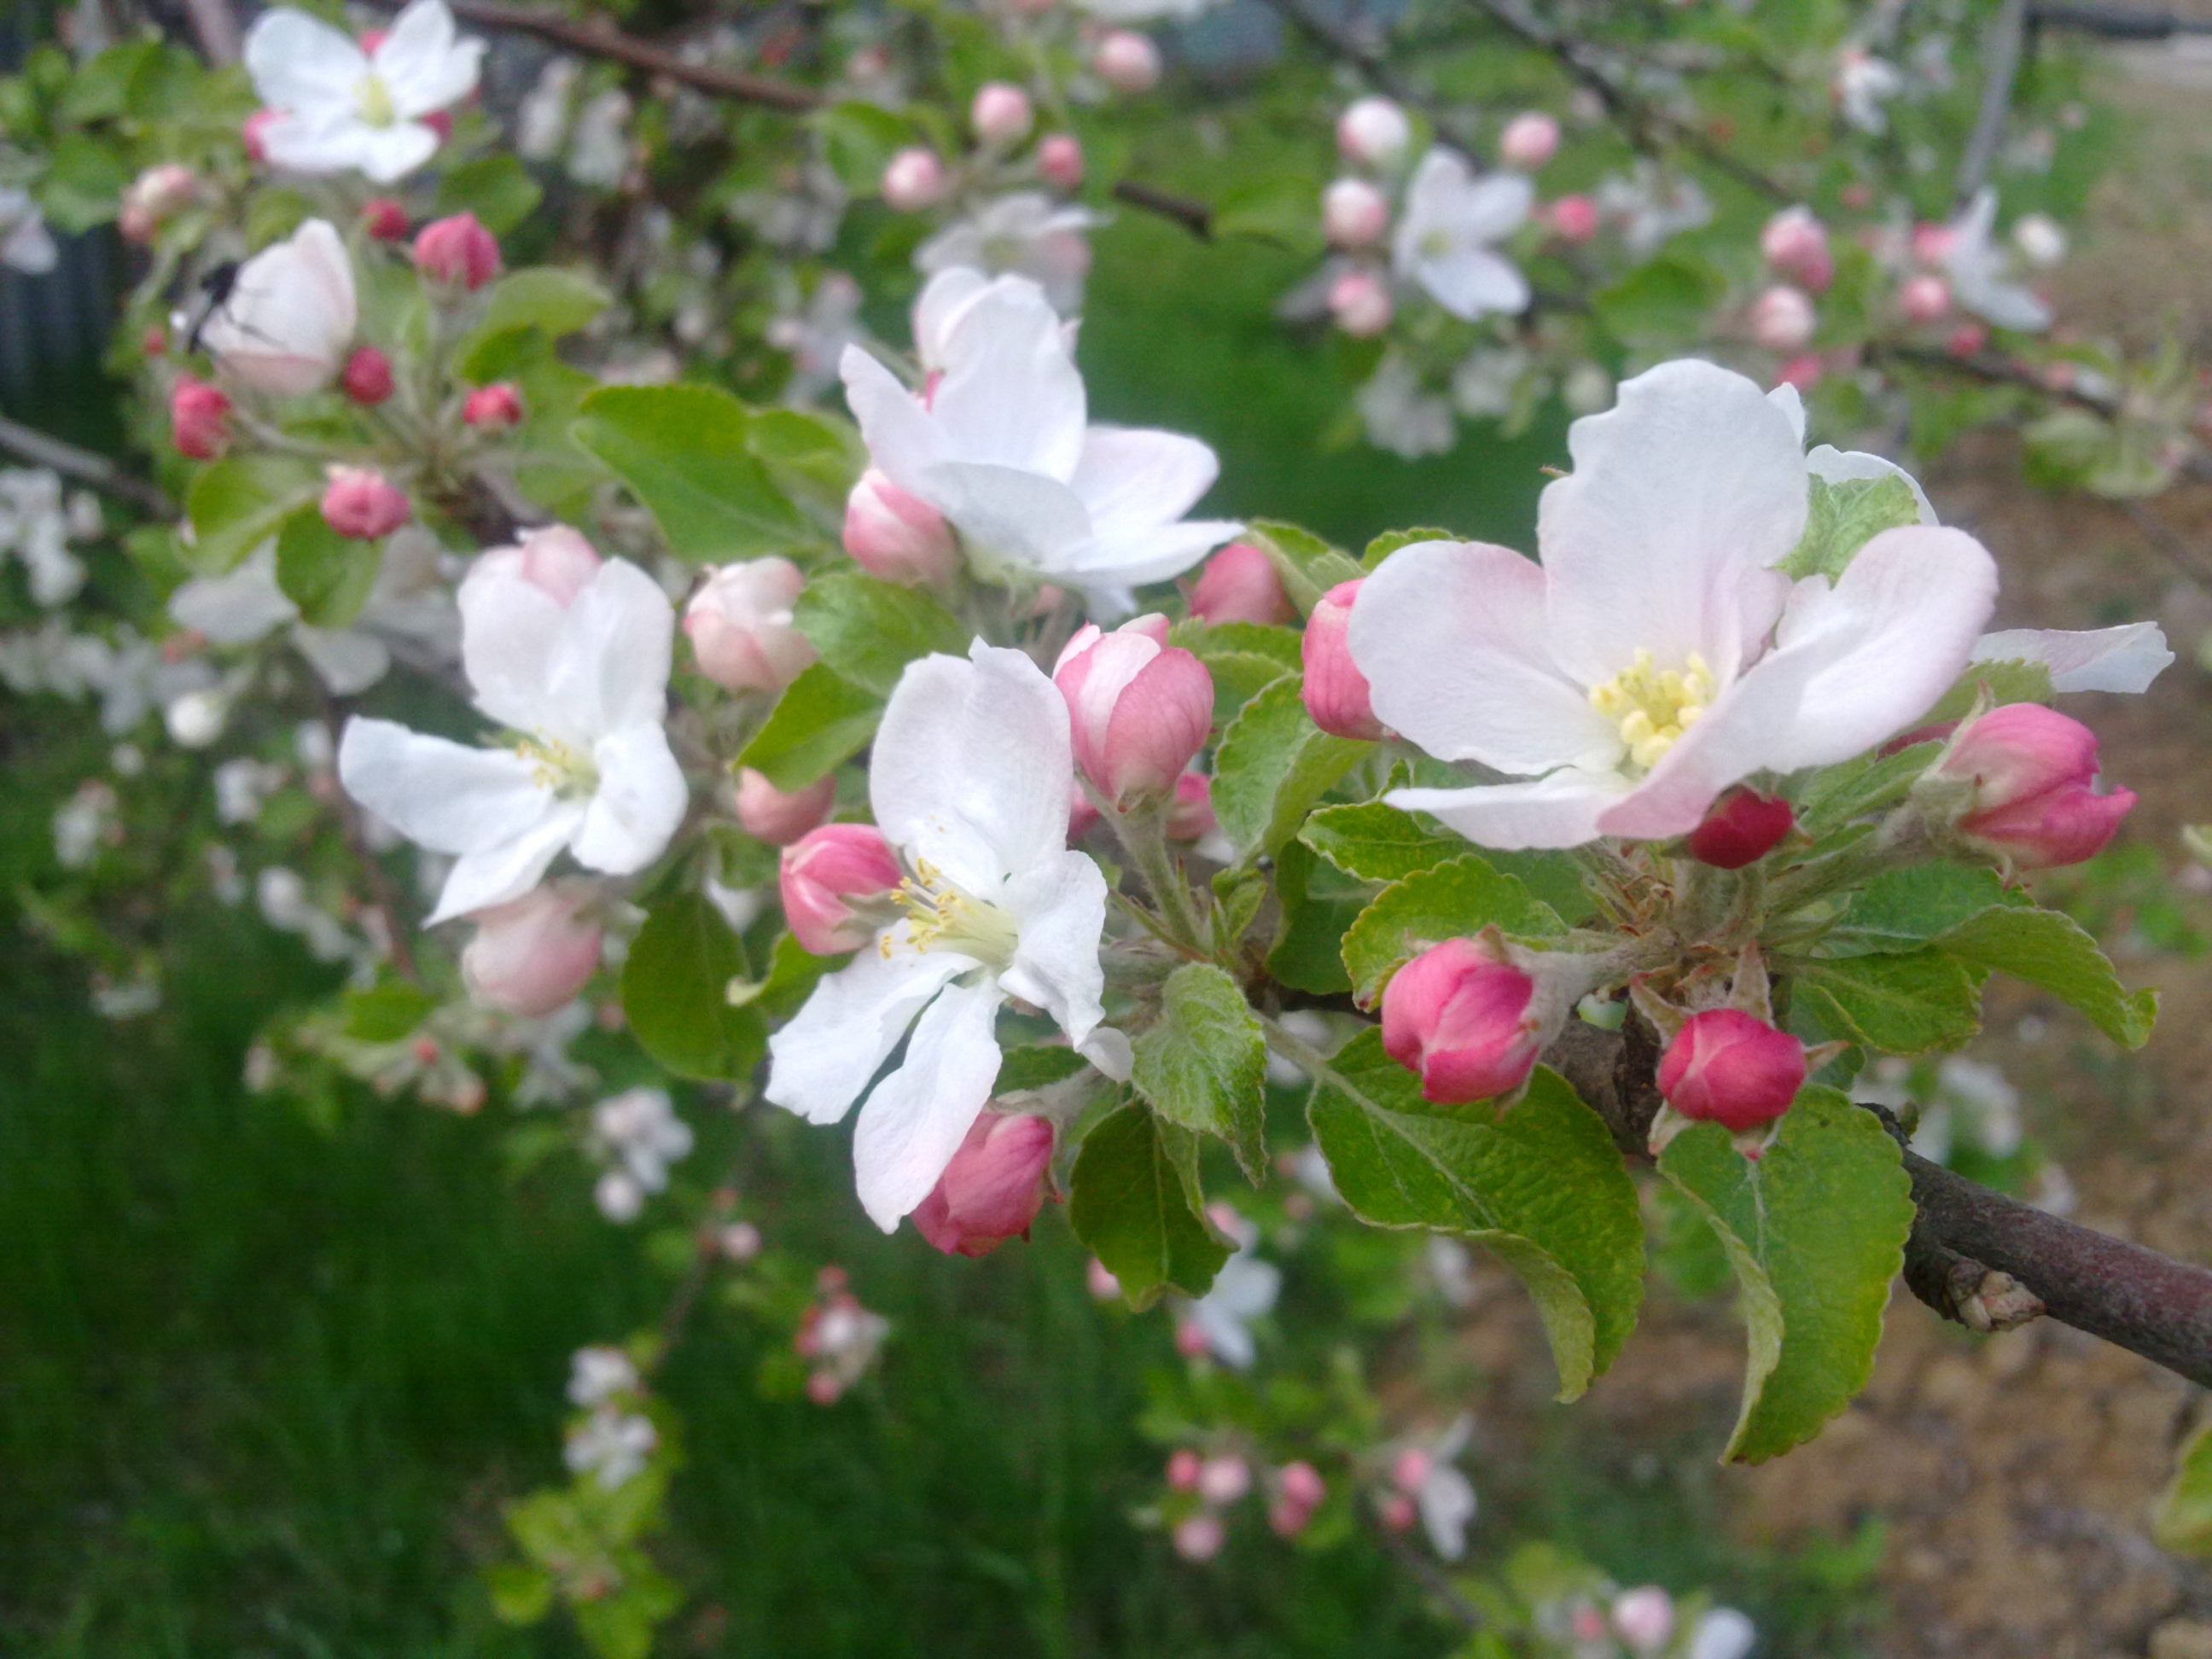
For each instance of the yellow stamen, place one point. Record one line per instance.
(373, 99)
(556, 766)
(1653, 706)
(940, 913)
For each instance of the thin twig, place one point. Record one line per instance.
(2002, 54)
(1433, 1578)
(1195, 216)
(216, 29)
(1371, 65)
(2114, 22)
(95, 470)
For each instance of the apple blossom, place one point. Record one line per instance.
(1002, 448)
(494, 406)
(1452, 220)
(825, 874)
(1001, 114)
(2024, 777)
(1441, 1495)
(1966, 340)
(2127, 658)
(612, 1447)
(367, 377)
(385, 219)
(1800, 373)
(1924, 299)
(1299, 1490)
(992, 1187)
(554, 558)
(779, 816)
(199, 417)
(596, 1375)
(1574, 217)
(254, 132)
(1530, 139)
(26, 243)
(1139, 708)
(1126, 61)
(914, 180)
(1024, 233)
(532, 954)
(1373, 133)
(289, 317)
(1732, 1068)
(897, 536)
(361, 504)
(1782, 319)
(1743, 827)
(1353, 212)
(1723, 1633)
(1060, 160)
(1220, 1323)
(970, 780)
(740, 626)
(1863, 84)
(1239, 584)
(1655, 657)
(1183, 1469)
(1461, 1019)
(157, 196)
(584, 684)
(1975, 263)
(1199, 1537)
(1795, 244)
(1361, 304)
(2039, 239)
(1644, 1618)
(640, 1130)
(1336, 692)
(1224, 1479)
(457, 250)
(365, 108)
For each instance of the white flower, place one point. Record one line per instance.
(83, 824)
(1446, 1496)
(1655, 657)
(1445, 235)
(584, 685)
(1244, 1291)
(1400, 414)
(1002, 448)
(640, 1129)
(36, 526)
(289, 317)
(1977, 264)
(596, 1374)
(1024, 234)
(26, 243)
(612, 1446)
(345, 108)
(1863, 84)
(1651, 205)
(969, 782)
(1724, 1633)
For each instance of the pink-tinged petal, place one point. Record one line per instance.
(1452, 638)
(1562, 809)
(608, 669)
(916, 1118)
(423, 65)
(1132, 480)
(1680, 498)
(2124, 659)
(297, 61)
(1010, 395)
(449, 797)
(487, 876)
(1152, 556)
(822, 1061)
(902, 439)
(638, 805)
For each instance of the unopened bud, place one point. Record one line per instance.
(896, 535)
(199, 417)
(1190, 815)
(363, 505)
(1803, 371)
(1530, 140)
(1139, 708)
(1924, 299)
(825, 874)
(1373, 132)
(254, 132)
(1361, 304)
(458, 250)
(1224, 1479)
(493, 407)
(993, 1189)
(1001, 113)
(2028, 777)
(1200, 1538)
(1966, 340)
(385, 219)
(1060, 160)
(914, 180)
(2039, 239)
(156, 196)
(1644, 1618)
(1783, 319)
(1336, 693)
(1353, 212)
(1575, 218)
(1240, 585)
(740, 626)
(1795, 244)
(532, 954)
(779, 816)
(1126, 61)
(367, 377)
(1731, 1068)
(554, 558)
(1460, 1019)
(1183, 1469)
(1740, 828)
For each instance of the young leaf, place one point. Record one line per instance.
(1391, 540)
(1461, 896)
(1204, 1064)
(1377, 843)
(1996, 682)
(1815, 1231)
(868, 630)
(237, 504)
(2049, 949)
(1841, 516)
(2182, 1522)
(1541, 1184)
(323, 573)
(675, 987)
(1903, 909)
(498, 189)
(1131, 1200)
(1907, 1004)
(683, 449)
(1273, 764)
(558, 301)
(819, 721)
(1317, 904)
(1037, 1065)
(387, 1011)
(1308, 566)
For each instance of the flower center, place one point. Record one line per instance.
(1654, 705)
(1436, 244)
(373, 99)
(556, 766)
(939, 913)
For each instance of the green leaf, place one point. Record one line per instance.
(868, 630)
(1903, 908)
(521, 1594)
(1662, 301)
(2049, 949)
(1037, 1065)
(1839, 795)
(84, 183)
(1272, 765)
(1317, 904)
(2182, 1522)
(1841, 516)
(1992, 682)
(683, 450)
(322, 571)
(1378, 843)
(859, 140)
(1452, 900)
(1815, 1231)
(237, 502)
(497, 189)
(1204, 1064)
(675, 991)
(1541, 1184)
(1132, 1200)
(820, 721)
(812, 459)
(386, 1013)
(1907, 1004)
(1391, 540)
(558, 301)
(1308, 566)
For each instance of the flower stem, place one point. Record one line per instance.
(1143, 835)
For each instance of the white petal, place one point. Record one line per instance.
(1562, 809)
(422, 65)
(1060, 907)
(348, 659)
(917, 1117)
(1471, 282)
(1452, 638)
(902, 437)
(1838, 465)
(1681, 496)
(1010, 395)
(1448, 1503)
(328, 138)
(1154, 555)
(1110, 1051)
(608, 669)
(944, 299)
(1132, 480)
(509, 626)
(1495, 206)
(238, 606)
(298, 61)
(638, 805)
(499, 874)
(449, 797)
(824, 1058)
(387, 154)
(1784, 397)
(2124, 659)
(1009, 517)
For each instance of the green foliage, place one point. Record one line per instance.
(685, 451)
(675, 989)
(1457, 898)
(1841, 516)
(1202, 1066)
(1308, 566)
(819, 721)
(1391, 540)
(497, 189)
(386, 1012)
(1539, 1184)
(1659, 301)
(239, 502)
(1317, 903)
(1907, 1004)
(558, 301)
(2048, 949)
(867, 630)
(2182, 1522)
(1815, 1231)
(1135, 1202)
(1272, 765)
(323, 573)
(1378, 843)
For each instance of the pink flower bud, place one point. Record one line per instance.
(1001, 113)
(1411, 1468)
(554, 559)
(1575, 218)
(1740, 828)
(532, 954)
(1190, 815)
(740, 626)
(362, 504)
(1139, 708)
(155, 197)
(256, 147)
(1098, 1279)
(1190, 1340)
(1644, 1618)
(1803, 371)
(1933, 243)
(199, 417)
(1222, 1479)
(1398, 1512)
(1060, 160)
(1126, 61)
(1200, 1538)
(1287, 1519)
(1353, 212)
(1336, 692)
(367, 377)
(2034, 801)
(1783, 319)
(1361, 305)
(385, 219)
(822, 875)
(1967, 339)
(914, 180)
(1183, 1469)
(440, 121)
(1081, 814)
(993, 1187)
(897, 536)
(1924, 299)
(1795, 244)
(1373, 132)
(1459, 1018)
(1528, 141)
(1732, 1068)
(779, 816)
(1301, 1484)
(1239, 585)
(458, 250)
(493, 408)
